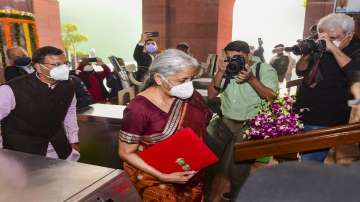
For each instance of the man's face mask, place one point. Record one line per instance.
(182, 91)
(151, 48)
(337, 42)
(58, 73)
(22, 61)
(25, 64)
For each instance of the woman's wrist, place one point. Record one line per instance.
(159, 176)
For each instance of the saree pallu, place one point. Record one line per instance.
(192, 113)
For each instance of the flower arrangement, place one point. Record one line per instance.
(17, 28)
(11, 13)
(274, 119)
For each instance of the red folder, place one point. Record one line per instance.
(181, 152)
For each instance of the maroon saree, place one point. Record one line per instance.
(145, 124)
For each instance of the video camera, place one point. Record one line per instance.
(236, 64)
(307, 46)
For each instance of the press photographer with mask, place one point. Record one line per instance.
(93, 80)
(242, 84)
(144, 53)
(324, 91)
(36, 108)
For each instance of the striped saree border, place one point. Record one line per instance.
(170, 128)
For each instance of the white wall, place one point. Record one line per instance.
(275, 21)
(112, 26)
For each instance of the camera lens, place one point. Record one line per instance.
(236, 64)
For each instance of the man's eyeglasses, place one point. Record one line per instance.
(57, 64)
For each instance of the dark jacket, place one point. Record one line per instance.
(143, 61)
(12, 72)
(326, 103)
(113, 81)
(83, 97)
(38, 116)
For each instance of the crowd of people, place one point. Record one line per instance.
(38, 103)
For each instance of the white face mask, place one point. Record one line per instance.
(59, 73)
(88, 68)
(182, 91)
(336, 43)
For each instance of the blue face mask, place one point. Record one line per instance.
(151, 48)
(22, 61)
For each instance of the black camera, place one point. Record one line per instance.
(307, 46)
(236, 64)
(92, 59)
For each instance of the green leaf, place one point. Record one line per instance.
(71, 37)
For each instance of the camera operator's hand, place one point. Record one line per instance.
(329, 44)
(143, 38)
(214, 87)
(341, 58)
(346, 41)
(99, 61)
(355, 90)
(245, 75)
(279, 49)
(303, 63)
(221, 64)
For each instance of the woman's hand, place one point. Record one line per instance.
(127, 152)
(177, 177)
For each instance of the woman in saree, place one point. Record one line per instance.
(167, 104)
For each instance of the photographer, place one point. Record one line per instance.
(324, 91)
(242, 84)
(94, 79)
(144, 53)
(259, 52)
(283, 63)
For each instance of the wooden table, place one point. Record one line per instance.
(307, 141)
(99, 127)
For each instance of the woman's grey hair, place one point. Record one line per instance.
(336, 21)
(168, 63)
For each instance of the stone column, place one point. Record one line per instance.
(206, 25)
(47, 16)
